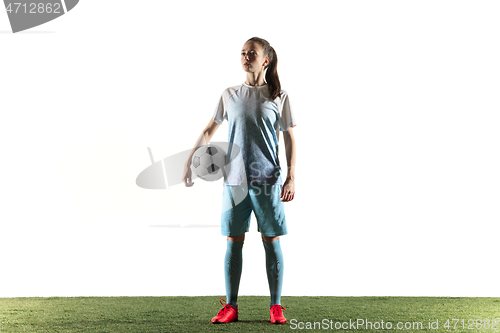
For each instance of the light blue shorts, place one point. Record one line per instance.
(265, 201)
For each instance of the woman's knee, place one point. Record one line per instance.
(269, 239)
(239, 238)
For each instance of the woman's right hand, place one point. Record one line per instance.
(203, 139)
(186, 177)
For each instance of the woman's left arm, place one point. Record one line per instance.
(288, 190)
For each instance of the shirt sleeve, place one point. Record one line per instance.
(287, 117)
(220, 111)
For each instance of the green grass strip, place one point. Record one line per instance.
(193, 314)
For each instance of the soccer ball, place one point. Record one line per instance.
(208, 162)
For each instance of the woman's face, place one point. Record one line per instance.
(252, 57)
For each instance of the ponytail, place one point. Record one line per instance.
(272, 78)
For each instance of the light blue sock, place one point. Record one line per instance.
(274, 267)
(233, 263)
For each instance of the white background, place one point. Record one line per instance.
(397, 182)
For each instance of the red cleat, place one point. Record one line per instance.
(227, 314)
(277, 314)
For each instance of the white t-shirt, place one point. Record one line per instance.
(254, 120)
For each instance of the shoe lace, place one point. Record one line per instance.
(225, 308)
(277, 310)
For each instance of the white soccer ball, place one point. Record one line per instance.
(208, 162)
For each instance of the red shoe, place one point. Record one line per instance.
(277, 314)
(227, 314)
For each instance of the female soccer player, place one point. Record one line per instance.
(256, 111)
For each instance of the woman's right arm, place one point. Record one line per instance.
(203, 139)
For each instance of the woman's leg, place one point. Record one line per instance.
(239, 238)
(274, 267)
(233, 263)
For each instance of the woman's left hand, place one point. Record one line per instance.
(288, 190)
